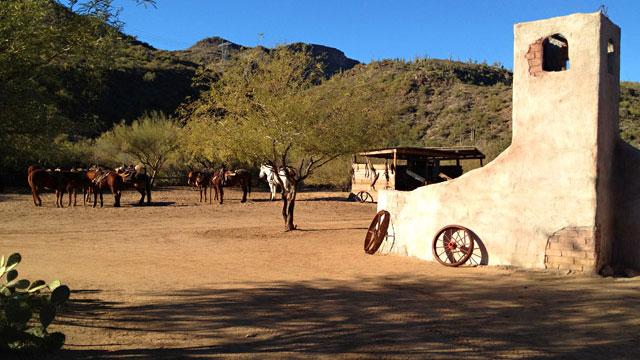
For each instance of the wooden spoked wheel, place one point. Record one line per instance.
(364, 196)
(377, 232)
(453, 245)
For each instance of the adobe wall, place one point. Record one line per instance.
(552, 181)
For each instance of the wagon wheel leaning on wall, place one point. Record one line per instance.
(452, 245)
(377, 232)
(363, 196)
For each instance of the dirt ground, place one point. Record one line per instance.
(186, 280)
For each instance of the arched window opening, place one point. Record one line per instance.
(611, 58)
(555, 53)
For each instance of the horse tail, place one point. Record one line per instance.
(30, 180)
(118, 184)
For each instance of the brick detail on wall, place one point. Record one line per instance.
(534, 57)
(573, 248)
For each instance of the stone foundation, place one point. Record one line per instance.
(573, 248)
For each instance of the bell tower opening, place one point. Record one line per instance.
(555, 53)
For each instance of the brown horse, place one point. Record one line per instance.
(138, 179)
(40, 179)
(202, 179)
(102, 179)
(228, 178)
(76, 180)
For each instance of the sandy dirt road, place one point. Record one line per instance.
(185, 280)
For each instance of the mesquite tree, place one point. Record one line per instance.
(276, 107)
(40, 40)
(150, 140)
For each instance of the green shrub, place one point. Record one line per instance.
(27, 309)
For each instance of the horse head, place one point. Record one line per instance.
(193, 175)
(223, 176)
(265, 170)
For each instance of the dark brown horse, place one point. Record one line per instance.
(202, 179)
(137, 178)
(76, 180)
(228, 178)
(106, 178)
(40, 179)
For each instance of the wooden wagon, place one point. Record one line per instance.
(406, 168)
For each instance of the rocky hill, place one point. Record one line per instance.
(215, 49)
(210, 50)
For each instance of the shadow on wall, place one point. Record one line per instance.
(626, 245)
(396, 317)
(480, 255)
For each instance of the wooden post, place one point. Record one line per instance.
(395, 159)
(395, 169)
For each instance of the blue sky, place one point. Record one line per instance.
(373, 29)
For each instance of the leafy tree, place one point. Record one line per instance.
(40, 40)
(150, 140)
(266, 109)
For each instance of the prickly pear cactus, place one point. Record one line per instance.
(27, 309)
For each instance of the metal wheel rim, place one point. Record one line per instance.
(377, 232)
(453, 245)
(363, 196)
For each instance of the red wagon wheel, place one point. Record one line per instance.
(453, 245)
(377, 232)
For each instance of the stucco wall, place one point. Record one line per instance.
(546, 180)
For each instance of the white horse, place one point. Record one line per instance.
(268, 173)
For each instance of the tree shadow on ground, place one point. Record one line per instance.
(392, 317)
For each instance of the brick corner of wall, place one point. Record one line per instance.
(573, 248)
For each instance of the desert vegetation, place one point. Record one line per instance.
(70, 90)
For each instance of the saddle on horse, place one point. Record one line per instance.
(100, 176)
(129, 173)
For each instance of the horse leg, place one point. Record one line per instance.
(116, 194)
(244, 192)
(69, 192)
(36, 198)
(101, 200)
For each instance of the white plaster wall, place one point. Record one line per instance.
(545, 181)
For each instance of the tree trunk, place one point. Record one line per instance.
(292, 203)
(288, 205)
(152, 178)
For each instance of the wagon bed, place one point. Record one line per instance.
(406, 168)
